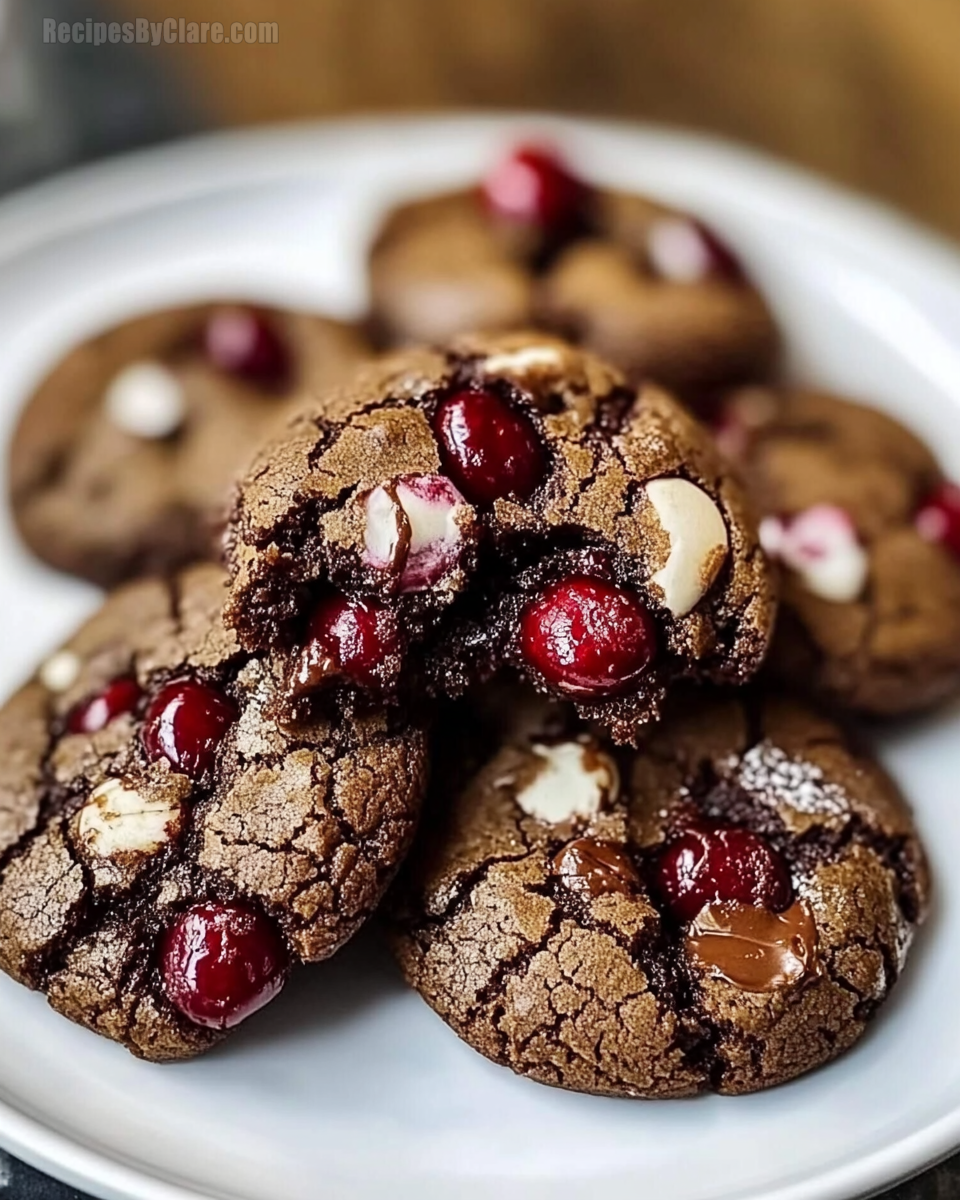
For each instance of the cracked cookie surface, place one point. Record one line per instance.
(722, 910)
(509, 502)
(124, 455)
(151, 802)
(857, 511)
(640, 283)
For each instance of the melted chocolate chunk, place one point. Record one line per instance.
(594, 868)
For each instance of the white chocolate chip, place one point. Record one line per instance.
(820, 545)
(699, 542)
(386, 531)
(573, 780)
(677, 251)
(117, 821)
(518, 361)
(61, 671)
(841, 578)
(146, 401)
(414, 526)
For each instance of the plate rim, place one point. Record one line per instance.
(88, 197)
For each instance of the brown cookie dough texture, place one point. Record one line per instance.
(888, 641)
(527, 920)
(633, 492)
(308, 825)
(440, 267)
(109, 488)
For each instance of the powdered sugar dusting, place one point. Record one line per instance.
(780, 781)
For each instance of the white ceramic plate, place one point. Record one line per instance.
(348, 1086)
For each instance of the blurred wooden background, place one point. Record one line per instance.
(866, 91)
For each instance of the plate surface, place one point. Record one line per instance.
(348, 1086)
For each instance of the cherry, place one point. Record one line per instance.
(587, 637)
(684, 250)
(711, 864)
(488, 448)
(346, 637)
(938, 519)
(97, 711)
(184, 724)
(241, 342)
(533, 186)
(222, 962)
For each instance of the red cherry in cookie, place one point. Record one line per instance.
(346, 638)
(713, 864)
(184, 723)
(587, 637)
(533, 186)
(684, 250)
(222, 962)
(241, 342)
(97, 711)
(938, 519)
(488, 448)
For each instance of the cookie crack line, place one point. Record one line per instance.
(445, 464)
(150, 843)
(578, 961)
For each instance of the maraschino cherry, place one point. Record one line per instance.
(242, 342)
(96, 712)
(184, 723)
(347, 638)
(588, 637)
(533, 186)
(938, 519)
(713, 864)
(220, 963)
(489, 449)
(682, 249)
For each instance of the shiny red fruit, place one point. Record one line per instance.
(533, 186)
(684, 250)
(241, 342)
(939, 517)
(96, 712)
(723, 262)
(588, 637)
(222, 962)
(346, 637)
(488, 448)
(711, 864)
(185, 723)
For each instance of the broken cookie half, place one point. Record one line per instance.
(508, 504)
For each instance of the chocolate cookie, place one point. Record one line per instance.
(722, 911)
(124, 455)
(168, 849)
(509, 502)
(650, 288)
(868, 532)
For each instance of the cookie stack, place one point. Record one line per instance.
(483, 591)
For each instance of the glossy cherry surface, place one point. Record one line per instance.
(185, 722)
(488, 448)
(533, 186)
(222, 962)
(711, 864)
(242, 342)
(588, 637)
(346, 637)
(938, 519)
(96, 712)
(684, 250)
